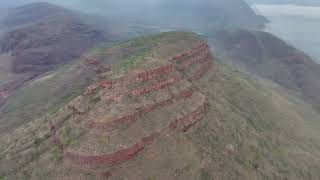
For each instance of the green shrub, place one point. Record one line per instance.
(67, 136)
(56, 154)
(94, 99)
(204, 175)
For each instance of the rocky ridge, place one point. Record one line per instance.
(166, 89)
(120, 117)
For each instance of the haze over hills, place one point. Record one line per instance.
(46, 38)
(269, 57)
(196, 15)
(34, 43)
(61, 36)
(296, 24)
(76, 105)
(217, 13)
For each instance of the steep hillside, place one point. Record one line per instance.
(269, 57)
(46, 38)
(41, 46)
(39, 38)
(35, 12)
(169, 110)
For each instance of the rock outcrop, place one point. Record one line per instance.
(124, 115)
(126, 101)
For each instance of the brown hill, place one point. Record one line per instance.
(47, 35)
(41, 46)
(269, 57)
(153, 84)
(39, 37)
(168, 110)
(34, 12)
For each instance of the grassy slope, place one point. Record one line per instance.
(274, 134)
(253, 130)
(43, 94)
(269, 57)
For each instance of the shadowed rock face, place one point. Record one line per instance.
(269, 57)
(42, 41)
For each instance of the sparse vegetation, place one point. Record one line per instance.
(244, 134)
(56, 154)
(204, 175)
(94, 99)
(67, 136)
(134, 60)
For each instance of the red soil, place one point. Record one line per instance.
(142, 110)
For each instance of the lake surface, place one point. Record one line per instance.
(298, 25)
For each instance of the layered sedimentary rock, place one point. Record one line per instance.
(116, 119)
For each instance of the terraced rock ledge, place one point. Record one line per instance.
(124, 103)
(134, 104)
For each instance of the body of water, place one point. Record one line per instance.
(298, 25)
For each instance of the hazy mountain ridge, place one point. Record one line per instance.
(204, 15)
(269, 57)
(218, 14)
(34, 43)
(35, 12)
(46, 38)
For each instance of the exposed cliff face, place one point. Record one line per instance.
(269, 57)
